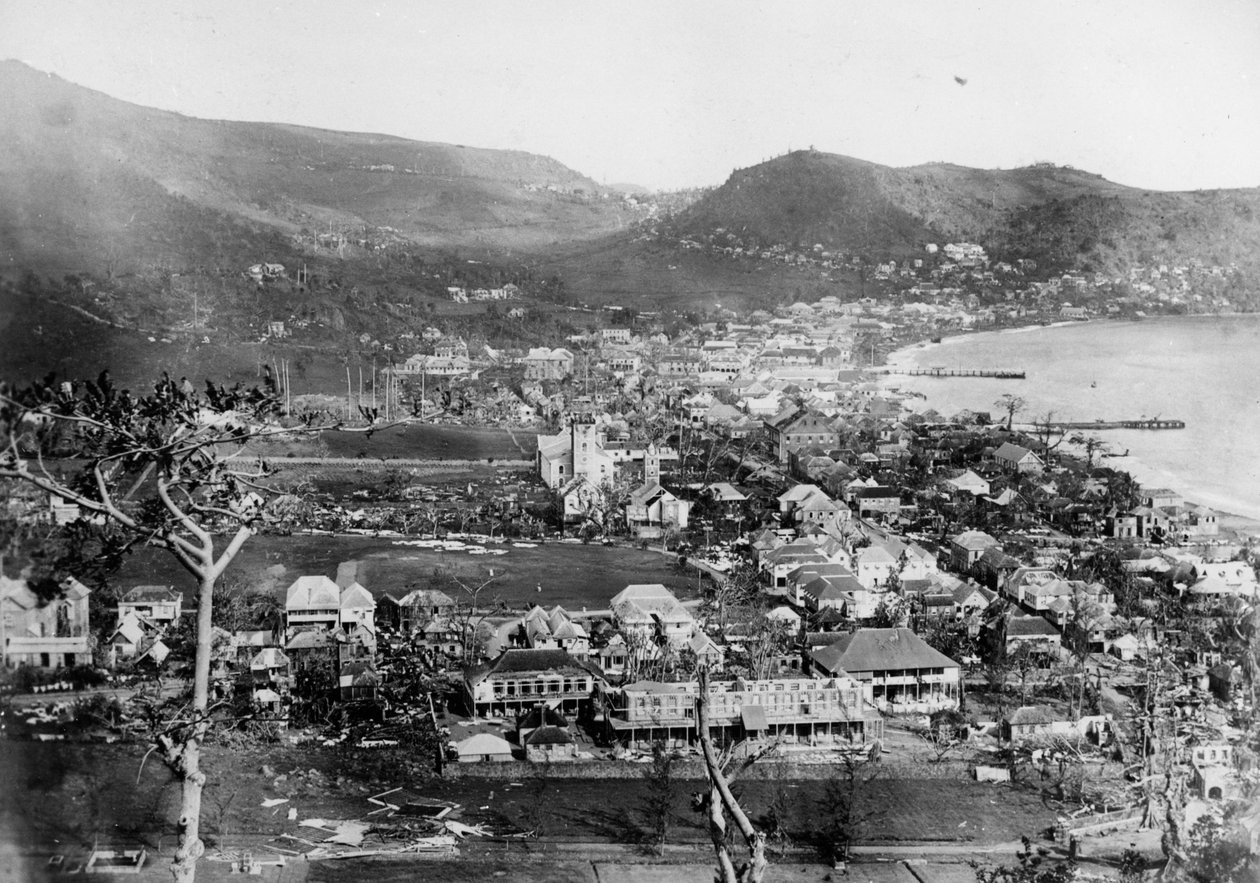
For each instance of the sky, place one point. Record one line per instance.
(1156, 94)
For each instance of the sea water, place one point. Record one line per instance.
(1203, 370)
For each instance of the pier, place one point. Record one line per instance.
(1152, 423)
(997, 373)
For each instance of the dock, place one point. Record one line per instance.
(996, 373)
(1144, 423)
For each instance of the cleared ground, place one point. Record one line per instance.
(572, 575)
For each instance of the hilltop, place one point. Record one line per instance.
(1064, 218)
(88, 181)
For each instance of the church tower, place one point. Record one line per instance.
(651, 465)
(585, 444)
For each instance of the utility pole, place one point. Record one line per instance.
(349, 391)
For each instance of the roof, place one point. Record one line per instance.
(150, 594)
(354, 595)
(483, 743)
(549, 736)
(313, 591)
(1033, 714)
(1029, 627)
(516, 661)
(648, 600)
(974, 540)
(880, 649)
(754, 718)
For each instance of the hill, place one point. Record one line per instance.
(87, 181)
(1063, 217)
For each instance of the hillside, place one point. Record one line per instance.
(87, 180)
(1062, 217)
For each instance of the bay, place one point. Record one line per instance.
(1203, 370)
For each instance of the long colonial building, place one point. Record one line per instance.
(811, 711)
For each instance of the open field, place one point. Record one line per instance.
(435, 441)
(572, 575)
(62, 795)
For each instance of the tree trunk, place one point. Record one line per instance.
(187, 753)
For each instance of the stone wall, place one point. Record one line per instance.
(693, 769)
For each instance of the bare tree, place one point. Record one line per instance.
(187, 453)
(1093, 446)
(469, 613)
(721, 802)
(1012, 405)
(1049, 433)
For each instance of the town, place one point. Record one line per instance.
(904, 594)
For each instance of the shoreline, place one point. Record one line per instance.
(1244, 526)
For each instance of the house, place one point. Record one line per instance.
(966, 549)
(809, 711)
(358, 679)
(549, 745)
(316, 603)
(415, 609)
(902, 671)
(651, 612)
(483, 748)
(1034, 632)
(873, 565)
(969, 483)
(1033, 722)
(800, 431)
(879, 500)
(556, 631)
(1015, 458)
(160, 605)
(519, 679)
(651, 508)
(44, 634)
(542, 363)
(312, 602)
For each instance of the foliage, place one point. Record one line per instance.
(657, 808)
(1031, 867)
(1214, 855)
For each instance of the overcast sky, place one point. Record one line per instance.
(1153, 93)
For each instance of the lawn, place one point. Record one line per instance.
(67, 794)
(572, 575)
(435, 441)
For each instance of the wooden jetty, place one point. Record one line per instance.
(1144, 423)
(997, 373)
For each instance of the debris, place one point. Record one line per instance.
(274, 801)
(462, 830)
(293, 814)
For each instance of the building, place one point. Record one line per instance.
(1035, 722)
(902, 671)
(483, 748)
(1016, 458)
(160, 605)
(542, 363)
(577, 453)
(811, 711)
(652, 613)
(44, 634)
(966, 548)
(519, 679)
(316, 603)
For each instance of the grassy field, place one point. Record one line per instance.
(67, 794)
(572, 575)
(435, 441)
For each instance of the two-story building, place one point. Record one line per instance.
(518, 679)
(903, 672)
(812, 711)
(44, 633)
